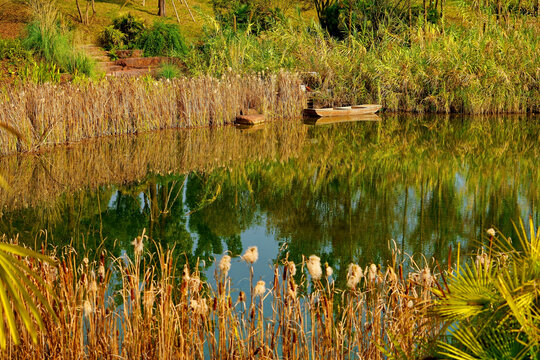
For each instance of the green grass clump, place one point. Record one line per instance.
(169, 71)
(163, 40)
(55, 46)
(40, 72)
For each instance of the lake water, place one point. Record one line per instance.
(342, 191)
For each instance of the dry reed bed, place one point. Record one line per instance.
(40, 178)
(50, 114)
(155, 312)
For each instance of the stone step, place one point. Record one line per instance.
(141, 62)
(134, 53)
(109, 66)
(133, 72)
(102, 58)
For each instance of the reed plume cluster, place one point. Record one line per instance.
(50, 114)
(148, 308)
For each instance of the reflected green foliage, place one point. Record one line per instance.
(342, 191)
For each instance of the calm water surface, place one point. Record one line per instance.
(343, 191)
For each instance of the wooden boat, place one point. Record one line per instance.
(341, 111)
(326, 120)
(252, 119)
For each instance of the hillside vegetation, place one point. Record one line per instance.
(430, 56)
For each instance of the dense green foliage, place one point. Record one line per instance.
(163, 40)
(494, 304)
(124, 32)
(450, 68)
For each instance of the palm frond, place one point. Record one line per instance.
(18, 291)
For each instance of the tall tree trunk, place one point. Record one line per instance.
(425, 13)
(79, 9)
(161, 10)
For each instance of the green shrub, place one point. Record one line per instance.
(111, 38)
(163, 40)
(13, 50)
(130, 26)
(168, 71)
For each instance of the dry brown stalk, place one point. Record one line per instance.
(112, 308)
(50, 114)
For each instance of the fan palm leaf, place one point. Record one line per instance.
(19, 285)
(494, 305)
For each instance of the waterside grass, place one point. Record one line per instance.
(145, 307)
(473, 67)
(50, 114)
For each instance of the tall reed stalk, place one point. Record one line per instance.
(58, 114)
(142, 307)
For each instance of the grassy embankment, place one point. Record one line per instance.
(454, 63)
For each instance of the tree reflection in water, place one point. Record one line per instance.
(342, 191)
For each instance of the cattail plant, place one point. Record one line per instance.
(144, 307)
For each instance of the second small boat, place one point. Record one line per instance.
(340, 111)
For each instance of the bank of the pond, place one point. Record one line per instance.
(51, 114)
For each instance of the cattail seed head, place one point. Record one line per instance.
(101, 271)
(251, 255)
(491, 232)
(260, 288)
(241, 297)
(372, 272)
(138, 245)
(225, 264)
(291, 267)
(314, 267)
(354, 275)
(329, 271)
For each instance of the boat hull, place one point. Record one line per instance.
(342, 111)
(250, 119)
(327, 120)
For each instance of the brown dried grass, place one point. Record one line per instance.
(142, 308)
(48, 114)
